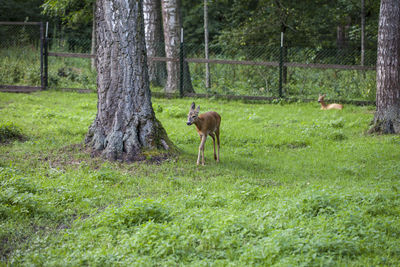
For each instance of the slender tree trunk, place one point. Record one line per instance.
(172, 30)
(125, 123)
(208, 80)
(340, 36)
(154, 41)
(93, 47)
(362, 32)
(172, 37)
(387, 115)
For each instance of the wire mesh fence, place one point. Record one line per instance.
(255, 71)
(20, 57)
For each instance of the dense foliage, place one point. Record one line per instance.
(295, 186)
(235, 23)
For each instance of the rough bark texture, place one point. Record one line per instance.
(387, 115)
(125, 123)
(172, 38)
(154, 41)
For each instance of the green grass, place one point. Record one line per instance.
(296, 186)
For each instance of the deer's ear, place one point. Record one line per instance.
(324, 95)
(198, 109)
(192, 106)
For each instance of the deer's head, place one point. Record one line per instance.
(321, 98)
(193, 114)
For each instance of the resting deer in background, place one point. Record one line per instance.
(329, 106)
(206, 124)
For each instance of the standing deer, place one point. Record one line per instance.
(329, 106)
(206, 124)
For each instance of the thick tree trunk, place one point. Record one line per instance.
(125, 123)
(154, 41)
(387, 115)
(172, 38)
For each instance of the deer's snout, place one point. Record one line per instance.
(189, 123)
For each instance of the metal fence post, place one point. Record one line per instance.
(281, 67)
(181, 60)
(43, 57)
(46, 57)
(42, 41)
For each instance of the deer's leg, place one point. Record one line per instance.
(201, 149)
(213, 138)
(217, 134)
(203, 142)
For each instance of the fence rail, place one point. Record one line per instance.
(19, 23)
(19, 88)
(232, 62)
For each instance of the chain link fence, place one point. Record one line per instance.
(253, 71)
(20, 55)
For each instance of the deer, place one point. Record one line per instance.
(206, 124)
(329, 106)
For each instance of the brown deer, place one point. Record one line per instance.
(206, 124)
(329, 106)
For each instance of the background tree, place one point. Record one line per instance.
(172, 29)
(154, 41)
(125, 123)
(206, 35)
(387, 115)
(172, 36)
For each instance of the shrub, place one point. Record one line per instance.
(9, 132)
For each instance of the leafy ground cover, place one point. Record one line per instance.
(296, 186)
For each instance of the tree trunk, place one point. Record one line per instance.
(387, 115)
(172, 30)
(154, 41)
(208, 80)
(340, 37)
(93, 45)
(172, 38)
(125, 123)
(362, 33)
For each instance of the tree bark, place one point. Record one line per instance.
(208, 80)
(154, 41)
(387, 115)
(125, 123)
(172, 30)
(172, 37)
(93, 44)
(362, 32)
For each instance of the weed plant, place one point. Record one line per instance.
(296, 186)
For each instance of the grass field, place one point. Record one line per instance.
(296, 186)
